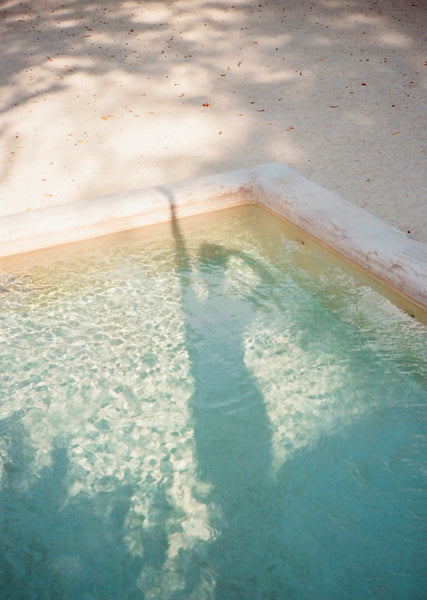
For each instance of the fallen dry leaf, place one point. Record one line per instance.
(290, 128)
(334, 106)
(396, 133)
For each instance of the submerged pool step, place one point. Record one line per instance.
(381, 249)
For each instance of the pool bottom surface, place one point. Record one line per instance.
(223, 413)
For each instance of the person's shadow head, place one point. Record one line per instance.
(213, 255)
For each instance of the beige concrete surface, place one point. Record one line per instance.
(103, 97)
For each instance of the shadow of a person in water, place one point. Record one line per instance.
(232, 429)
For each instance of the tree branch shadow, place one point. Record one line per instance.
(54, 545)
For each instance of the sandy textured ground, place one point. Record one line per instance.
(99, 97)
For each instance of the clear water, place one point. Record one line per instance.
(222, 413)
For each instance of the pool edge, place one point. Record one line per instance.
(381, 249)
(366, 240)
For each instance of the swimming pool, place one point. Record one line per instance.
(214, 408)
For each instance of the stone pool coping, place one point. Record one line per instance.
(387, 253)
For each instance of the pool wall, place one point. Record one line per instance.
(384, 251)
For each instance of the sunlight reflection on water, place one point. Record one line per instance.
(212, 428)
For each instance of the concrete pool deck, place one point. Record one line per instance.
(105, 97)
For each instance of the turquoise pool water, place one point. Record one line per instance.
(219, 412)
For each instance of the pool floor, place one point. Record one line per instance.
(221, 411)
